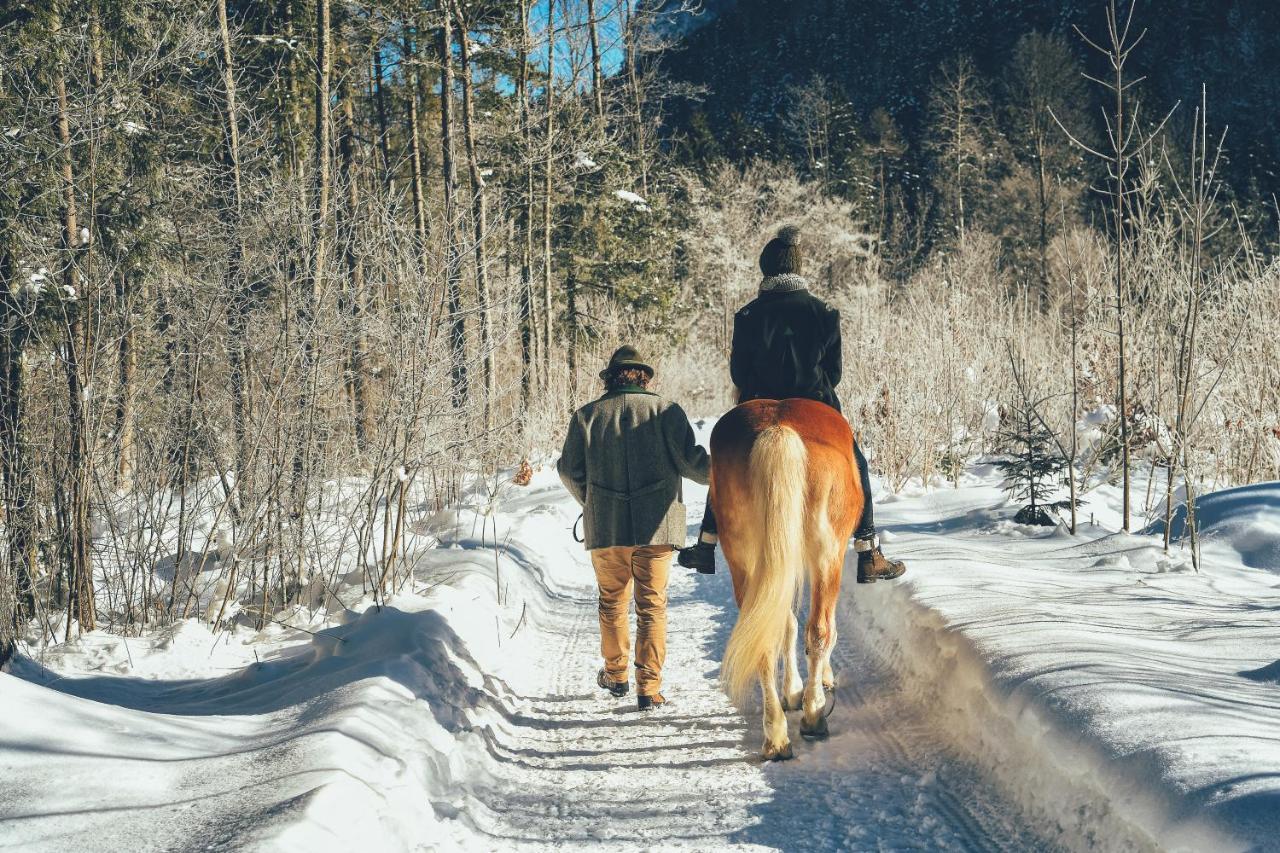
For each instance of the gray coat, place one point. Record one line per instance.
(623, 459)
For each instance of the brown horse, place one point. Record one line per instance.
(787, 496)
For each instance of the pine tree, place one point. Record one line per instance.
(1033, 469)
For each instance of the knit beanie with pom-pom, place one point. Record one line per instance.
(781, 255)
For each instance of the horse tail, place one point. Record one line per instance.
(778, 477)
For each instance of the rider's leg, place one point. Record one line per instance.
(872, 564)
(867, 524)
(702, 556)
(708, 532)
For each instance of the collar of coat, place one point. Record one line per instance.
(783, 283)
(630, 389)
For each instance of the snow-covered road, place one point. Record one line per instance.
(438, 724)
(580, 767)
(1019, 690)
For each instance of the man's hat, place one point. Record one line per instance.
(626, 356)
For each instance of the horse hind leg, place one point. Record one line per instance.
(777, 745)
(820, 641)
(792, 685)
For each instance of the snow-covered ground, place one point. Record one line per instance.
(1020, 689)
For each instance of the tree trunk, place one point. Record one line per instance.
(546, 195)
(958, 141)
(479, 219)
(126, 450)
(597, 79)
(415, 156)
(8, 618)
(354, 295)
(312, 279)
(81, 605)
(571, 321)
(380, 102)
(453, 261)
(291, 99)
(526, 221)
(17, 586)
(1042, 191)
(1119, 167)
(238, 291)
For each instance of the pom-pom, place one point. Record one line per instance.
(789, 235)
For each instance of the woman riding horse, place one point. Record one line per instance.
(786, 343)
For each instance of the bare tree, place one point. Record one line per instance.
(549, 98)
(238, 305)
(1126, 140)
(80, 600)
(353, 295)
(959, 138)
(414, 130)
(453, 260)
(525, 217)
(315, 274)
(597, 78)
(1196, 199)
(479, 214)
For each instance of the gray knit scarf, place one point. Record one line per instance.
(783, 283)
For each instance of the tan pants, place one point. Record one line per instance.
(616, 569)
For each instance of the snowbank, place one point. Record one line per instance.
(1245, 519)
(366, 728)
(1127, 700)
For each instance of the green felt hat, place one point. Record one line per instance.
(626, 356)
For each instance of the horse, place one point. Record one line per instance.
(787, 496)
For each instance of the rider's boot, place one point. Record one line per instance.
(873, 565)
(701, 557)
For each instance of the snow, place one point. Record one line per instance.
(1019, 689)
(632, 199)
(583, 162)
(1121, 693)
(1245, 520)
(35, 284)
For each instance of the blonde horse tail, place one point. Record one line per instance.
(778, 475)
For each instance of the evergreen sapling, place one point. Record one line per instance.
(1034, 469)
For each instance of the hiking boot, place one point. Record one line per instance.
(701, 557)
(648, 703)
(875, 566)
(616, 688)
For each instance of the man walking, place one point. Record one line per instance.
(786, 343)
(622, 460)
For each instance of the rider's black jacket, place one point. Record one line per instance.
(786, 344)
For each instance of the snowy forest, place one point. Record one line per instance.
(284, 281)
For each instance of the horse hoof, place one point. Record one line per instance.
(778, 753)
(816, 731)
(794, 702)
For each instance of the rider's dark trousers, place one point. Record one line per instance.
(866, 526)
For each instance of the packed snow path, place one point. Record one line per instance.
(585, 768)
